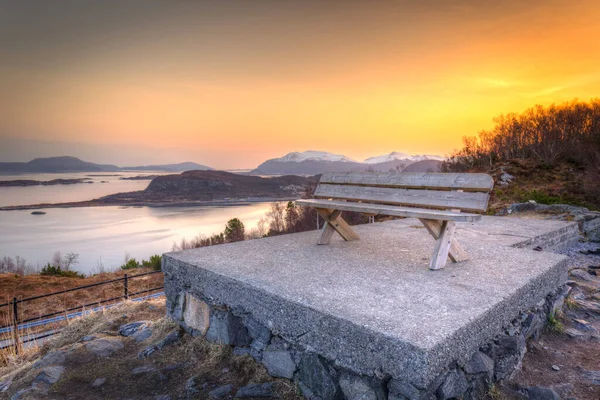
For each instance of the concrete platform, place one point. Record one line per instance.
(373, 306)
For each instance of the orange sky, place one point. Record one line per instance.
(232, 83)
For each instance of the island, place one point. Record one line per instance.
(29, 182)
(192, 188)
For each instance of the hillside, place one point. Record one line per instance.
(74, 164)
(54, 165)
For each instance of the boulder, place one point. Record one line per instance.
(279, 363)
(454, 386)
(314, 374)
(142, 335)
(133, 327)
(355, 387)
(52, 358)
(479, 363)
(104, 347)
(225, 328)
(401, 390)
(50, 375)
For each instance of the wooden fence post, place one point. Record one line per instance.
(15, 325)
(126, 287)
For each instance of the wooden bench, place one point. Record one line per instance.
(438, 200)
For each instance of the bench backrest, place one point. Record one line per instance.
(462, 191)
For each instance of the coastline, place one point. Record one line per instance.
(102, 202)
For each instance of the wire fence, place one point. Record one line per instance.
(22, 329)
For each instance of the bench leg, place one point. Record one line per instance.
(443, 231)
(334, 223)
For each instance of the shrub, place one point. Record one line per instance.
(52, 270)
(155, 262)
(131, 264)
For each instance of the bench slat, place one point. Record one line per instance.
(378, 209)
(415, 180)
(468, 201)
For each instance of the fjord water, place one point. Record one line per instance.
(104, 235)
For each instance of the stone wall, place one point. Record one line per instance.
(321, 378)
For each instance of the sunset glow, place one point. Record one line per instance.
(230, 84)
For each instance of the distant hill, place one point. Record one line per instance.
(184, 166)
(73, 164)
(316, 162)
(56, 165)
(219, 185)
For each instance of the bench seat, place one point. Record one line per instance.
(438, 200)
(396, 211)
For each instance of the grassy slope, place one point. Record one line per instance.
(565, 183)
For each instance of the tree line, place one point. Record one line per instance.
(281, 219)
(565, 132)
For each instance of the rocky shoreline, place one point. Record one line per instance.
(197, 188)
(30, 182)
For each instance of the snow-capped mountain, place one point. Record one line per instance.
(312, 155)
(316, 162)
(401, 156)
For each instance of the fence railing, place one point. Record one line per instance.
(17, 324)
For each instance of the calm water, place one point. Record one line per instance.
(103, 234)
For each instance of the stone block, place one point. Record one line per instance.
(314, 374)
(225, 328)
(279, 363)
(196, 314)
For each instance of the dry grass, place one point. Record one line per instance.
(213, 365)
(34, 285)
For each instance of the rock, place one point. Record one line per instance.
(556, 367)
(196, 314)
(50, 375)
(133, 327)
(356, 388)
(505, 178)
(541, 393)
(192, 386)
(88, 338)
(104, 347)
(258, 331)
(162, 397)
(582, 275)
(592, 377)
(142, 335)
(241, 351)
(172, 338)
(225, 328)
(313, 374)
(574, 333)
(20, 393)
(220, 392)
(563, 390)
(98, 382)
(400, 390)
(533, 325)
(264, 390)
(5, 385)
(279, 363)
(479, 363)
(143, 369)
(52, 358)
(454, 386)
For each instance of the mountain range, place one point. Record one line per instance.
(315, 162)
(295, 163)
(73, 164)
